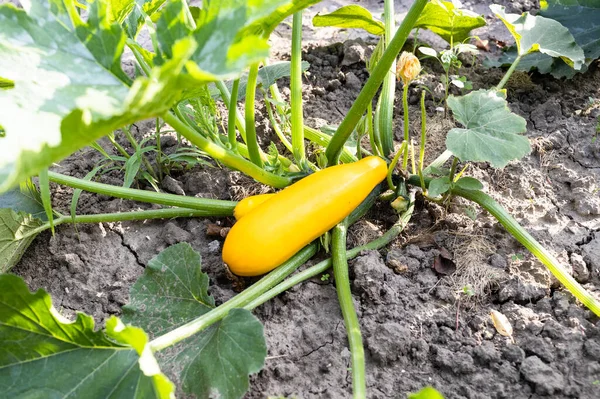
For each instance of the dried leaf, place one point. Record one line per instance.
(443, 263)
(502, 324)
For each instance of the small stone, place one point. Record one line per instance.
(541, 347)
(353, 82)
(513, 354)
(486, 353)
(547, 381)
(497, 260)
(580, 269)
(173, 234)
(354, 52)
(213, 246)
(333, 85)
(173, 186)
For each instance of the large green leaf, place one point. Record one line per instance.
(351, 17)
(62, 98)
(266, 25)
(450, 23)
(536, 33)
(215, 362)
(44, 355)
(13, 226)
(491, 131)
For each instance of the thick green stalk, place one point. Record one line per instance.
(226, 97)
(296, 92)
(372, 85)
(521, 235)
(393, 165)
(423, 138)
(509, 73)
(406, 124)
(168, 213)
(231, 133)
(342, 283)
(385, 110)
(323, 139)
(322, 266)
(214, 207)
(517, 231)
(251, 139)
(238, 301)
(227, 157)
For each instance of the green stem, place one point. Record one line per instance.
(296, 92)
(509, 73)
(227, 157)
(252, 142)
(226, 97)
(136, 147)
(423, 139)
(263, 285)
(521, 235)
(373, 131)
(169, 213)
(158, 151)
(214, 207)
(323, 139)
(453, 168)
(393, 165)
(342, 283)
(385, 110)
(277, 127)
(138, 56)
(118, 146)
(372, 85)
(438, 162)
(406, 124)
(231, 133)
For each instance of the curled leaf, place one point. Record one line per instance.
(502, 324)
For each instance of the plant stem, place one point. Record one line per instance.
(277, 127)
(423, 139)
(342, 283)
(296, 93)
(226, 97)
(372, 85)
(323, 139)
(213, 207)
(238, 301)
(231, 133)
(521, 235)
(227, 157)
(373, 132)
(438, 162)
(385, 110)
(251, 140)
(509, 73)
(158, 151)
(118, 146)
(393, 165)
(168, 213)
(453, 168)
(406, 124)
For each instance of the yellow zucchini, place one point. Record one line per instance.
(249, 203)
(275, 230)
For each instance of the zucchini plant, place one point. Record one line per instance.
(62, 88)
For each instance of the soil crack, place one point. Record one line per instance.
(121, 234)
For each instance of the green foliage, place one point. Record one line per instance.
(352, 16)
(13, 225)
(440, 17)
(581, 18)
(539, 40)
(439, 186)
(450, 23)
(172, 292)
(38, 342)
(491, 131)
(469, 183)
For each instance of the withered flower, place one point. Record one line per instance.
(408, 67)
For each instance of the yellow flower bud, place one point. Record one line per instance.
(408, 67)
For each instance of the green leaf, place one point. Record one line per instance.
(351, 17)
(63, 99)
(13, 226)
(136, 18)
(469, 183)
(24, 199)
(266, 25)
(491, 131)
(426, 393)
(536, 33)
(215, 362)
(118, 10)
(450, 23)
(582, 18)
(44, 355)
(439, 186)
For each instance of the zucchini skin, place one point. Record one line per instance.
(249, 203)
(275, 230)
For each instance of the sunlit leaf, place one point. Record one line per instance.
(536, 33)
(426, 393)
(450, 23)
(490, 132)
(63, 99)
(43, 355)
(352, 16)
(217, 361)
